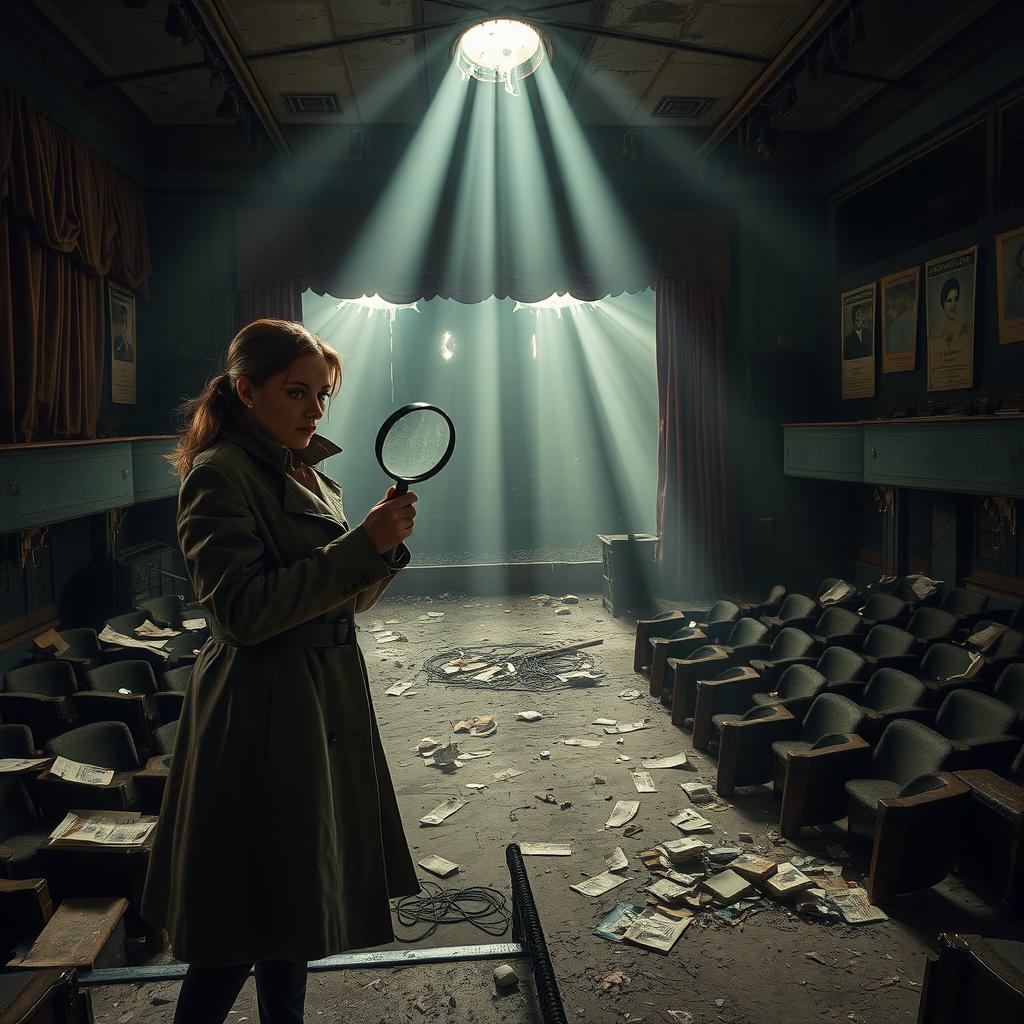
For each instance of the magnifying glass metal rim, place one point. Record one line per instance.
(386, 426)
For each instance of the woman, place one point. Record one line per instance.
(279, 839)
(950, 327)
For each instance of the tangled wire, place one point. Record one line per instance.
(513, 666)
(479, 906)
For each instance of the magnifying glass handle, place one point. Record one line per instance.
(401, 486)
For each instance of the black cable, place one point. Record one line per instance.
(479, 906)
(531, 673)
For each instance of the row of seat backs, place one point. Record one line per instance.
(963, 715)
(104, 744)
(58, 679)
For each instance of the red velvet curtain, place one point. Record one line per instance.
(281, 299)
(695, 513)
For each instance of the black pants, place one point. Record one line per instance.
(208, 993)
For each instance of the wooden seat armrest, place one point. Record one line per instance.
(782, 722)
(42, 698)
(814, 792)
(953, 787)
(103, 695)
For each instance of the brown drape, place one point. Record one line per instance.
(695, 512)
(281, 299)
(66, 221)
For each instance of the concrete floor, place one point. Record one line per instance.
(759, 971)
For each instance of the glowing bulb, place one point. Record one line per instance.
(446, 346)
(499, 51)
(533, 346)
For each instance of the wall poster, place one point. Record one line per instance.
(1010, 285)
(122, 345)
(950, 306)
(899, 320)
(857, 329)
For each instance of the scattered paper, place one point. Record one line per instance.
(698, 792)
(616, 860)
(643, 782)
(104, 828)
(194, 623)
(442, 811)
(111, 636)
(19, 764)
(690, 821)
(528, 716)
(615, 924)
(612, 730)
(656, 931)
(603, 721)
(545, 849)
(150, 630)
(507, 773)
(599, 884)
(86, 774)
(623, 811)
(629, 694)
(573, 741)
(438, 866)
(855, 908)
(399, 688)
(674, 761)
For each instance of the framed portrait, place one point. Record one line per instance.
(1010, 285)
(857, 330)
(950, 310)
(121, 303)
(899, 320)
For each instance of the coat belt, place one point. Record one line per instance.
(337, 633)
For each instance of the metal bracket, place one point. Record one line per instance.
(1003, 509)
(30, 542)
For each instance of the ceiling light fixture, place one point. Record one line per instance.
(499, 50)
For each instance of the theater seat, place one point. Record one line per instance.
(890, 695)
(1009, 689)
(884, 609)
(929, 625)
(794, 606)
(967, 605)
(706, 661)
(722, 701)
(979, 727)
(946, 667)
(16, 741)
(883, 647)
(105, 701)
(105, 745)
(750, 749)
(816, 781)
(22, 831)
(40, 696)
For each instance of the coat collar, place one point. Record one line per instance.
(296, 498)
(257, 444)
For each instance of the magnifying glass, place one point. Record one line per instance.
(414, 443)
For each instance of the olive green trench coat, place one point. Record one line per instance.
(279, 835)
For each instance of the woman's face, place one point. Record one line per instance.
(288, 406)
(952, 301)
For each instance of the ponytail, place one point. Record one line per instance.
(204, 416)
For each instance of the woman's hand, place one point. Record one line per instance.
(390, 521)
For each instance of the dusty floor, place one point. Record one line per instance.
(758, 971)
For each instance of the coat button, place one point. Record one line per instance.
(332, 739)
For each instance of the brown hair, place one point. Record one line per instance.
(258, 351)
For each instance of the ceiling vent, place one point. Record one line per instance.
(684, 106)
(312, 103)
